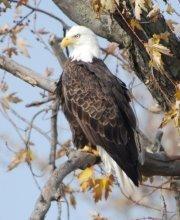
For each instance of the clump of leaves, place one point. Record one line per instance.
(5, 3)
(10, 98)
(69, 191)
(140, 6)
(98, 217)
(174, 113)
(107, 6)
(100, 186)
(135, 24)
(155, 50)
(18, 43)
(24, 155)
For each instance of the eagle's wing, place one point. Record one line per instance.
(100, 105)
(78, 137)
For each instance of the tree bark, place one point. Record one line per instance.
(160, 85)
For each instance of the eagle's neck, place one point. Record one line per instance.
(85, 53)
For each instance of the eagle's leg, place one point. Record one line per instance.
(90, 149)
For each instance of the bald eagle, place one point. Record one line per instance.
(96, 105)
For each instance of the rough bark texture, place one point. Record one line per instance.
(158, 84)
(26, 74)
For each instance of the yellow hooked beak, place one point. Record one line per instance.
(66, 42)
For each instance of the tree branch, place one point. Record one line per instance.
(81, 12)
(54, 133)
(58, 52)
(77, 160)
(159, 85)
(43, 12)
(26, 74)
(155, 164)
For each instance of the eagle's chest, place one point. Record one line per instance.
(78, 83)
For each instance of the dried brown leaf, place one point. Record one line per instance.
(5, 28)
(102, 186)
(111, 48)
(22, 46)
(10, 51)
(23, 155)
(48, 72)
(170, 10)
(135, 24)
(141, 5)
(154, 13)
(3, 86)
(13, 98)
(22, 2)
(155, 51)
(98, 217)
(72, 200)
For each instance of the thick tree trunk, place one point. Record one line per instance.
(160, 85)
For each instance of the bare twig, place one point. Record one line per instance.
(157, 143)
(58, 52)
(38, 103)
(176, 186)
(44, 12)
(54, 134)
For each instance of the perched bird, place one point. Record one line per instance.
(96, 105)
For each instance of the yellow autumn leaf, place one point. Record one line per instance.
(174, 113)
(23, 155)
(154, 13)
(170, 9)
(100, 6)
(96, 7)
(102, 187)
(85, 174)
(88, 184)
(141, 5)
(177, 95)
(171, 24)
(155, 51)
(162, 36)
(109, 5)
(135, 24)
(168, 117)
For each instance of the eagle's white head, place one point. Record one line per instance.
(83, 44)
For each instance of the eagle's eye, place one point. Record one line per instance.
(77, 36)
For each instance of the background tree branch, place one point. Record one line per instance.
(26, 74)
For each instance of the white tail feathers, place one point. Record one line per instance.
(126, 184)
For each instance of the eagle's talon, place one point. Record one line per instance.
(90, 150)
